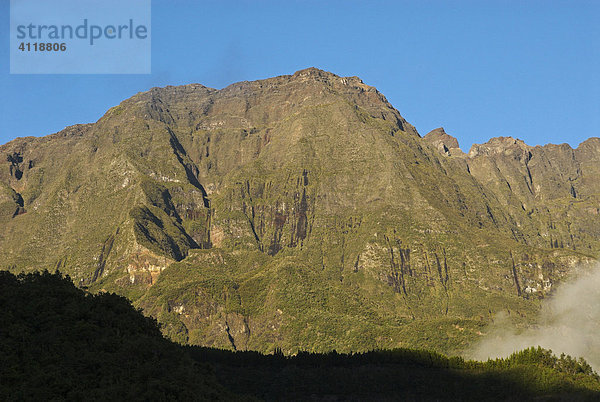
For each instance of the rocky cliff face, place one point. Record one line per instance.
(445, 143)
(299, 211)
(550, 191)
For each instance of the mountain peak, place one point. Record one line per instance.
(444, 142)
(313, 71)
(322, 75)
(499, 145)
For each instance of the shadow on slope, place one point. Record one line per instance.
(59, 342)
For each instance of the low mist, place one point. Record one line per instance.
(569, 323)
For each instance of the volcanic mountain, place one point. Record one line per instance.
(300, 212)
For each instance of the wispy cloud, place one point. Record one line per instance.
(569, 323)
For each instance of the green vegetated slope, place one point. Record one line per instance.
(299, 212)
(58, 342)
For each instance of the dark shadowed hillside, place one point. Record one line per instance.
(58, 342)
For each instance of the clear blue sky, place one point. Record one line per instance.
(528, 69)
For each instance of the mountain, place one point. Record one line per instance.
(300, 212)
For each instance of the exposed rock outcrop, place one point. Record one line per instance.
(445, 143)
